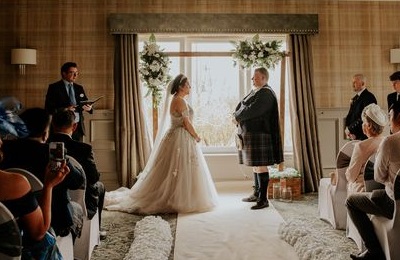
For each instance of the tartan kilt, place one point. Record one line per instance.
(258, 149)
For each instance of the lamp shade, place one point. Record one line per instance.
(395, 56)
(23, 56)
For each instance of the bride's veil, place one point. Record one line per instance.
(164, 124)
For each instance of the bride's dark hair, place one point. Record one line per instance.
(178, 81)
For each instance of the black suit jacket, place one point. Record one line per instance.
(33, 156)
(353, 118)
(57, 98)
(83, 153)
(258, 113)
(391, 99)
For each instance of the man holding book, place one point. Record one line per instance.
(66, 94)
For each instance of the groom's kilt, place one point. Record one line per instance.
(258, 149)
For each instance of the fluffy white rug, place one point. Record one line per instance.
(153, 240)
(314, 239)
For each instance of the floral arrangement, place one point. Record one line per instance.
(288, 172)
(256, 53)
(153, 69)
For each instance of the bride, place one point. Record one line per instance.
(176, 178)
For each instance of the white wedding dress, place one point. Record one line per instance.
(176, 178)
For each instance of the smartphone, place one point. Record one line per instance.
(56, 155)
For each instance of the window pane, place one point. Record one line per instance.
(214, 96)
(217, 86)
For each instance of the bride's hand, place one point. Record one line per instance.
(197, 138)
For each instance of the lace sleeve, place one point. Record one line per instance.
(185, 113)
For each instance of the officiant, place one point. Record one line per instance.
(258, 134)
(66, 94)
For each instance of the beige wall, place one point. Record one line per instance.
(354, 37)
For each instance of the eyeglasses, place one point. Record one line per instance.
(75, 73)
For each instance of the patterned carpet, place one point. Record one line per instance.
(315, 238)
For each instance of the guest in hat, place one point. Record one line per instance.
(395, 96)
(374, 120)
(362, 99)
(381, 202)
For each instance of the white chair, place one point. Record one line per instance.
(90, 236)
(369, 182)
(388, 230)
(370, 185)
(10, 236)
(34, 181)
(331, 198)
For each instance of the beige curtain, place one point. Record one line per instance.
(132, 141)
(307, 158)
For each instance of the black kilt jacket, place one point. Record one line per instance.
(258, 129)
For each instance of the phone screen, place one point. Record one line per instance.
(56, 155)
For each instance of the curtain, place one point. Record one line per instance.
(132, 140)
(307, 158)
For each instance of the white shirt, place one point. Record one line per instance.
(387, 162)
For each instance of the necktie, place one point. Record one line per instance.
(354, 99)
(397, 96)
(71, 94)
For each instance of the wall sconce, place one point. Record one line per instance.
(23, 57)
(395, 56)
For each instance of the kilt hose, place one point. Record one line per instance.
(258, 149)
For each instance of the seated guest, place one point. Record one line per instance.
(32, 153)
(64, 126)
(33, 217)
(381, 202)
(373, 122)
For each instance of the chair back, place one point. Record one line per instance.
(369, 183)
(10, 236)
(35, 183)
(342, 162)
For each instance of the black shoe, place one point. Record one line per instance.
(261, 205)
(103, 234)
(251, 198)
(368, 255)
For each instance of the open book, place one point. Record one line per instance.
(90, 101)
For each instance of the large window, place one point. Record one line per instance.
(217, 86)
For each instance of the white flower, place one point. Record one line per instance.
(153, 68)
(256, 53)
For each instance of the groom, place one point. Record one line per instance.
(259, 141)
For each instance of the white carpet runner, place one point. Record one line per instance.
(231, 231)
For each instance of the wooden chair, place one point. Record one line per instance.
(10, 236)
(388, 230)
(331, 198)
